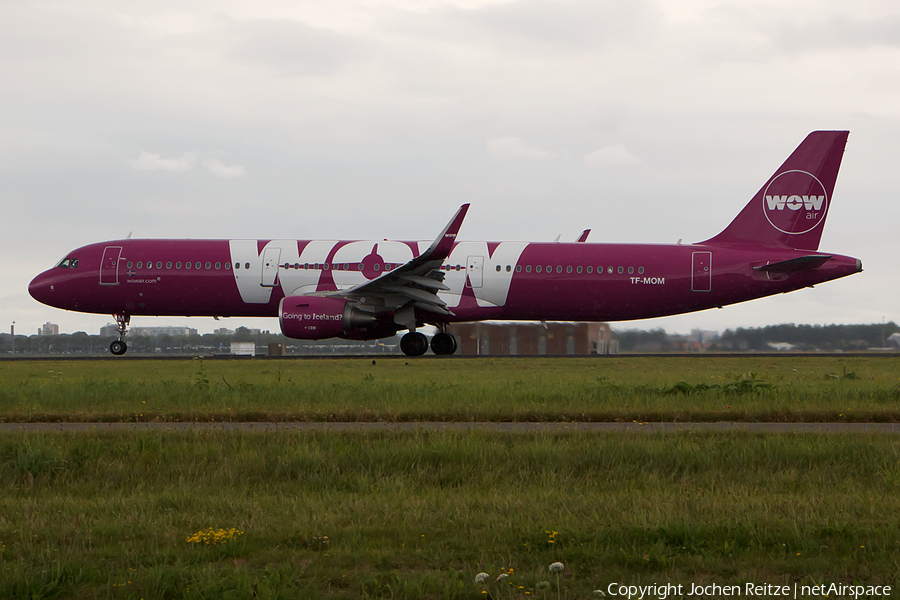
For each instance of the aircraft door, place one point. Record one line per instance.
(701, 272)
(271, 257)
(475, 270)
(109, 265)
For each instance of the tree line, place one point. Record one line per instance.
(802, 338)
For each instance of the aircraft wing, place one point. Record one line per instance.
(414, 284)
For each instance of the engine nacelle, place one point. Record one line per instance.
(317, 318)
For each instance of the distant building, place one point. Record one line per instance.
(243, 349)
(893, 341)
(49, 329)
(223, 331)
(528, 338)
(112, 330)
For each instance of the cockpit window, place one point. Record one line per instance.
(68, 263)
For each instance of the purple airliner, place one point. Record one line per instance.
(365, 290)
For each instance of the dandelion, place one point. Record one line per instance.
(211, 536)
(557, 568)
(481, 577)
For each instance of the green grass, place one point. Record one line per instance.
(588, 389)
(418, 515)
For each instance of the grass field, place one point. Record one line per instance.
(588, 389)
(420, 514)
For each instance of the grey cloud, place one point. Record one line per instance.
(837, 32)
(289, 46)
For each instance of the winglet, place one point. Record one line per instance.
(440, 248)
(584, 236)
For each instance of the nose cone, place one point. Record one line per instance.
(41, 289)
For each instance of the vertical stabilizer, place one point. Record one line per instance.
(790, 209)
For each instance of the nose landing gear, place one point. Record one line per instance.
(119, 347)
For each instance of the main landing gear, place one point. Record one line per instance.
(415, 344)
(443, 344)
(119, 347)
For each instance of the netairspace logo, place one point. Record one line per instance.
(750, 590)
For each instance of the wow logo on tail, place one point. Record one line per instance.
(795, 202)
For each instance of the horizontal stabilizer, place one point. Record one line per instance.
(795, 265)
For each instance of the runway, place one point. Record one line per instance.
(499, 427)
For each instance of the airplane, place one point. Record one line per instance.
(363, 290)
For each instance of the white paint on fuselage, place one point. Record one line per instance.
(492, 292)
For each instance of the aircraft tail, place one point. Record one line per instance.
(790, 209)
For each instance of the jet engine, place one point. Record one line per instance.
(318, 318)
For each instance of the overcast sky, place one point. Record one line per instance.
(646, 121)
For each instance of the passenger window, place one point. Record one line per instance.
(549, 269)
(569, 269)
(159, 265)
(187, 265)
(228, 266)
(631, 270)
(578, 269)
(129, 265)
(528, 268)
(208, 265)
(169, 265)
(377, 266)
(559, 268)
(609, 270)
(537, 269)
(590, 269)
(498, 268)
(518, 268)
(346, 266)
(621, 270)
(178, 265)
(140, 264)
(218, 266)
(196, 265)
(508, 268)
(640, 270)
(246, 265)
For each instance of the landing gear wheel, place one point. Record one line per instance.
(443, 344)
(414, 344)
(119, 347)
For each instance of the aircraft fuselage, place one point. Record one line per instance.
(486, 280)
